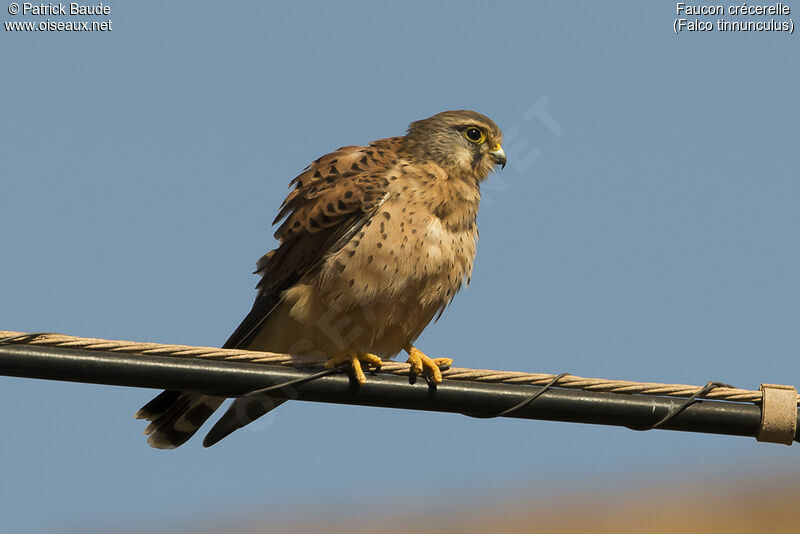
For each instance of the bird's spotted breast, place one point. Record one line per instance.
(405, 264)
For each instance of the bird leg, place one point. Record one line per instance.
(423, 365)
(355, 359)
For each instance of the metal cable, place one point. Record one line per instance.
(702, 392)
(568, 381)
(548, 402)
(523, 404)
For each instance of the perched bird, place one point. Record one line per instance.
(375, 242)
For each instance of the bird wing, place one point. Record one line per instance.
(330, 201)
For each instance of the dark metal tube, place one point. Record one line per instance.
(390, 391)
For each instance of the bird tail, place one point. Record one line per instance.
(241, 413)
(175, 416)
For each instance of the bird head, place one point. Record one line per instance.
(464, 143)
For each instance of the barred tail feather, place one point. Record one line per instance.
(175, 416)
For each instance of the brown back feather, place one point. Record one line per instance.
(333, 196)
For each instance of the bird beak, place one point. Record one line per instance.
(499, 155)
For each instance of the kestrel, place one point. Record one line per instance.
(375, 242)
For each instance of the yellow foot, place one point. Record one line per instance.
(430, 367)
(355, 359)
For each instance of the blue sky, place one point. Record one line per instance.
(645, 228)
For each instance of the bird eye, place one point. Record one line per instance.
(475, 135)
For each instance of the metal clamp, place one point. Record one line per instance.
(778, 414)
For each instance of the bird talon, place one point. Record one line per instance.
(429, 367)
(443, 363)
(355, 359)
(372, 360)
